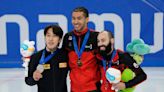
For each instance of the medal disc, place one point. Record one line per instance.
(40, 68)
(79, 63)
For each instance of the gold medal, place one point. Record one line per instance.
(79, 63)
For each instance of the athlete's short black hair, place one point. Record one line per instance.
(56, 30)
(82, 9)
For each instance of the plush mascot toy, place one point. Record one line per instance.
(113, 75)
(137, 48)
(27, 49)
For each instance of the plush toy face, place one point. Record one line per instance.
(113, 75)
(27, 48)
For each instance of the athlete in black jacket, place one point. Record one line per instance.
(48, 68)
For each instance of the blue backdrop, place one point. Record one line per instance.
(20, 20)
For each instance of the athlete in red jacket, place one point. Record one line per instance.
(117, 59)
(81, 44)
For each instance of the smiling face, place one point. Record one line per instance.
(79, 21)
(52, 40)
(105, 43)
(103, 40)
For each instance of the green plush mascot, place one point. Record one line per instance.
(138, 49)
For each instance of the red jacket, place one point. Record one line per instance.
(85, 77)
(106, 86)
(122, 61)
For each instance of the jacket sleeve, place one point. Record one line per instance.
(31, 68)
(140, 75)
(64, 41)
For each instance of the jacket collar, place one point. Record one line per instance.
(80, 33)
(116, 57)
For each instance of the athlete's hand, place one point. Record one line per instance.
(37, 75)
(119, 86)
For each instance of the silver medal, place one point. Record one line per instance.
(40, 68)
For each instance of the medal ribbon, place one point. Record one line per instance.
(79, 52)
(43, 60)
(109, 65)
(110, 62)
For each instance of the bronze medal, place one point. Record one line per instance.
(79, 63)
(106, 85)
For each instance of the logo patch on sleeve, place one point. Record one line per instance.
(63, 65)
(46, 66)
(70, 38)
(135, 65)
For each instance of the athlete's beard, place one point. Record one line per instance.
(106, 51)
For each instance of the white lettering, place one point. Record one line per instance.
(158, 33)
(98, 20)
(136, 25)
(12, 18)
(158, 30)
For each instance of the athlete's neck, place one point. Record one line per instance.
(110, 52)
(80, 33)
(51, 50)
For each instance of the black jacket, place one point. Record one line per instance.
(54, 79)
(126, 61)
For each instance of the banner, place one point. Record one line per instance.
(21, 20)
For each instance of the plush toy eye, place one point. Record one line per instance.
(110, 77)
(24, 46)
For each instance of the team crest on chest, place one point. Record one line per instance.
(89, 46)
(116, 62)
(135, 65)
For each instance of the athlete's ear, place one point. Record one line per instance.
(87, 19)
(60, 40)
(112, 41)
